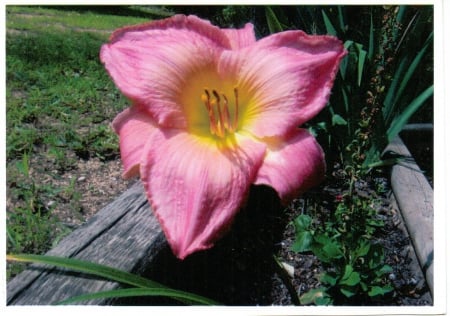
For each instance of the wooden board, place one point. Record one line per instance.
(414, 196)
(124, 235)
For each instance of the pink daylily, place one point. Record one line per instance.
(213, 112)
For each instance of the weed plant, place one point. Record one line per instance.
(374, 96)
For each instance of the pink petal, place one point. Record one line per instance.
(196, 186)
(292, 165)
(288, 77)
(240, 38)
(134, 127)
(150, 63)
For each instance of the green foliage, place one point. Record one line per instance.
(344, 244)
(373, 96)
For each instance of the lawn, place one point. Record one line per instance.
(62, 155)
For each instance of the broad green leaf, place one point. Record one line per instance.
(383, 270)
(135, 292)
(363, 249)
(313, 296)
(326, 278)
(403, 118)
(325, 248)
(272, 21)
(329, 26)
(302, 242)
(378, 290)
(302, 222)
(350, 278)
(347, 291)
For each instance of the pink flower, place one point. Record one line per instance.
(213, 112)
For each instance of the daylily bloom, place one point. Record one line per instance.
(213, 112)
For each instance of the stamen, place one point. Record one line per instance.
(221, 124)
(236, 108)
(226, 113)
(206, 98)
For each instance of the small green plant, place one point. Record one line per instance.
(344, 243)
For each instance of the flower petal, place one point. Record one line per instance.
(196, 186)
(240, 38)
(151, 62)
(134, 127)
(287, 77)
(292, 165)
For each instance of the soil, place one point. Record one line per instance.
(240, 269)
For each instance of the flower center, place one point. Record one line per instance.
(218, 108)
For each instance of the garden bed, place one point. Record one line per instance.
(240, 269)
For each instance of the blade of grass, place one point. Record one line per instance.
(388, 104)
(94, 269)
(135, 292)
(361, 59)
(412, 68)
(403, 118)
(371, 39)
(341, 19)
(272, 21)
(329, 26)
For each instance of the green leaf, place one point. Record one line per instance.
(329, 26)
(371, 39)
(412, 68)
(350, 277)
(272, 21)
(302, 222)
(383, 270)
(378, 290)
(325, 248)
(315, 296)
(403, 118)
(348, 292)
(388, 103)
(327, 278)
(363, 249)
(302, 242)
(338, 120)
(361, 59)
(103, 271)
(135, 292)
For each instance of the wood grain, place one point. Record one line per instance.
(124, 235)
(414, 196)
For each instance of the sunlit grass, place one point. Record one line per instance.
(59, 105)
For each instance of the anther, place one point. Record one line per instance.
(218, 109)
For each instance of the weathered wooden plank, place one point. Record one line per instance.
(124, 235)
(414, 196)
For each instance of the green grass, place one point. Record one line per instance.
(59, 105)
